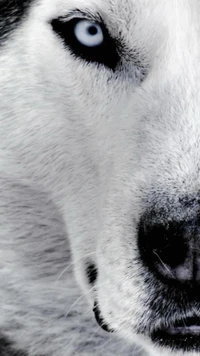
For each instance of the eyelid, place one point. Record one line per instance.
(85, 15)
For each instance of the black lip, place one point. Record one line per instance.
(182, 335)
(100, 319)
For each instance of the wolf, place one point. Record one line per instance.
(99, 175)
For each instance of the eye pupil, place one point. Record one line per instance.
(88, 34)
(92, 30)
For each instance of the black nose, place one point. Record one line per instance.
(170, 248)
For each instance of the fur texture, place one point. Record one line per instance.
(84, 151)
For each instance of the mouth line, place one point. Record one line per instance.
(183, 327)
(184, 330)
(188, 326)
(181, 335)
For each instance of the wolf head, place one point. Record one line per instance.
(100, 108)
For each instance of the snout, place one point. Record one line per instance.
(168, 245)
(169, 248)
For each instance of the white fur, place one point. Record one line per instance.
(81, 148)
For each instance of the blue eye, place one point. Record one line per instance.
(89, 33)
(88, 40)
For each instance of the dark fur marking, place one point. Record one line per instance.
(6, 348)
(92, 273)
(12, 13)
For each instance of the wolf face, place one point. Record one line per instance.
(100, 141)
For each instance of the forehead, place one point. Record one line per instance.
(138, 18)
(125, 11)
(141, 22)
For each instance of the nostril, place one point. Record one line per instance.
(167, 241)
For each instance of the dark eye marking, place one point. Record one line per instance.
(88, 39)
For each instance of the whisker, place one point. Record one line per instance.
(72, 264)
(164, 265)
(97, 329)
(77, 301)
(80, 298)
(105, 343)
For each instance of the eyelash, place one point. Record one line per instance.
(105, 53)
